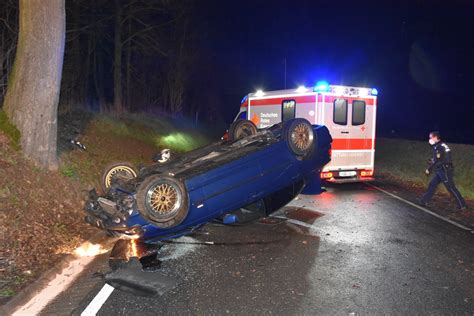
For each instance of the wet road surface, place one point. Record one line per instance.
(350, 250)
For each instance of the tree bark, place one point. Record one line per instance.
(128, 67)
(118, 103)
(77, 95)
(2, 76)
(32, 97)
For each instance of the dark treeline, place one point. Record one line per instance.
(124, 56)
(8, 39)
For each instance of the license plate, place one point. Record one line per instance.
(347, 173)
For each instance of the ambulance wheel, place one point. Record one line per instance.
(163, 201)
(117, 170)
(300, 137)
(242, 128)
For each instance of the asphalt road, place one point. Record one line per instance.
(357, 251)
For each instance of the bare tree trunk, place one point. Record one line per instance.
(77, 95)
(118, 105)
(32, 98)
(128, 89)
(128, 59)
(3, 82)
(85, 83)
(177, 76)
(2, 60)
(7, 41)
(97, 70)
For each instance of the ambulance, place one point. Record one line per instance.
(348, 112)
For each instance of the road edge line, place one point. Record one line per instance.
(27, 294)
(445, 219)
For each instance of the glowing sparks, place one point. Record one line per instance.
(88, 249)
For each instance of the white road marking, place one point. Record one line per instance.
(99, 300)
(312, 229)
(421, 208)
(178, 251)
(61, 281)
(294, 221)
(59, 284)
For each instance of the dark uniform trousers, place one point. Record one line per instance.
(445, 175)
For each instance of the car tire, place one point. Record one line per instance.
(242, 128)
(163, 201)
(122, 169)
(300, 137)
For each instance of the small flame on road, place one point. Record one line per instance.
(88, 249)
(134, 247)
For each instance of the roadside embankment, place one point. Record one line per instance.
(406, 160)
(41, 216)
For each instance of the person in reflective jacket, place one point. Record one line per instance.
(441, 166)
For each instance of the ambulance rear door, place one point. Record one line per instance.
(351, 121)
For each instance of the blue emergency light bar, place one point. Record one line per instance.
(321, 86)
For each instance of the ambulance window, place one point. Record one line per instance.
(358, 112)
(241, 116)
(340, 112)
(288, 110)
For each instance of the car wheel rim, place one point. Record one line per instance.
(164, 199)
(122, 170)
(302, 137)
(244, 131)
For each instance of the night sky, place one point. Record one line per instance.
(418, 54)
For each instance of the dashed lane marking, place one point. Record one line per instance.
(99, 300)
(421, 208)
(294, 221)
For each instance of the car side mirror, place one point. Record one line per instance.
(163, 156)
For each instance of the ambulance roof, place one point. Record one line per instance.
(320, 88)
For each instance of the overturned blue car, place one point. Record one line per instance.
(256, 170)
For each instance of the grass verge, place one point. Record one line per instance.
(10, 130)
(135, 139)
(406, 161)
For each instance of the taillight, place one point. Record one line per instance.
(366, 173)
(326, 175)
(225, 136)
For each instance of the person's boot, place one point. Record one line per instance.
(422, 202)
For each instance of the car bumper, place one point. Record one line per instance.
(104, 214)
(350, 180)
